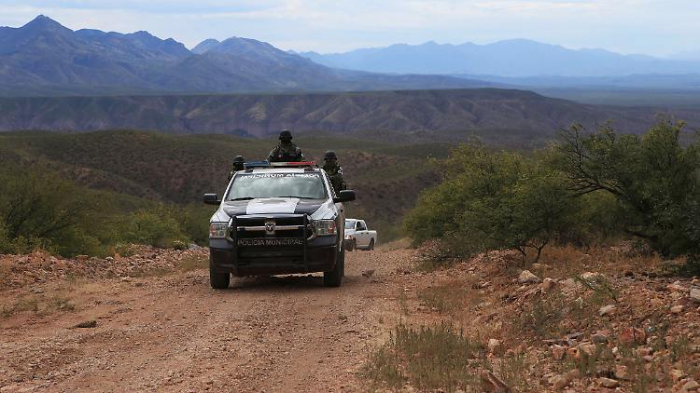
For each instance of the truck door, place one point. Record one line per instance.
(363, 240)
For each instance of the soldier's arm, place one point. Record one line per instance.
(341, 181)
(272, 156)
(343, 185)
(300, 155)
(337, 179)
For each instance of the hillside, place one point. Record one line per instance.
(45, 58)
(180, 169)
(518, 116)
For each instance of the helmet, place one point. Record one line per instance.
(238, 159)
(286, 134)
(330, 155)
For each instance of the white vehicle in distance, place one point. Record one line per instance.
(357, 236)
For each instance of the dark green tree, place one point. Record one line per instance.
(654, 177)
(493, 200)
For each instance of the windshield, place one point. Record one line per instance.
(349, 224)
(277, 185)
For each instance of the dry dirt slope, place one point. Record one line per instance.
(162, 328)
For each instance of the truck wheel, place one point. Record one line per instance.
(350, 245)
(371, 245)
(335, 277)
(218, 280)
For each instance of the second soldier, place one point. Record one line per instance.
(238, 165)
(334, 170)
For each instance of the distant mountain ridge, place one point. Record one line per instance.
(45, 58)
(510, 58)
(439, 115)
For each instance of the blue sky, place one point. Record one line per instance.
(628, 26)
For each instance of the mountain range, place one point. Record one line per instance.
(510, 58)
(502, 116)
(247, 87)
(45, 58)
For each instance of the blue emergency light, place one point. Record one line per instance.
(256, 164)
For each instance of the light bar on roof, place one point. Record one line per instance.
(292, 164)
(256, 164)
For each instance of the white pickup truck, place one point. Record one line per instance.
(357, 236)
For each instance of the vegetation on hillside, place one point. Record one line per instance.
(141, 187)
(41, 210)
(588, 188)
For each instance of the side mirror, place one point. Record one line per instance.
(345, 196)
(211, 199)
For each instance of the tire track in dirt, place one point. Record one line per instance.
(174, 333)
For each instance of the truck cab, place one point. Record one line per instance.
(278, 218)
(358, 236)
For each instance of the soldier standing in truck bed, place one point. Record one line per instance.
(334, 170)
(238, 165)
(286, 150)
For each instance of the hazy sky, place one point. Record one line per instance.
(628, 26)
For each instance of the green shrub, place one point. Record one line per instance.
(590, 188)
(5, 246)
(153, 228)
(75, 241)
(654, 179)
(40, 210)
(193, 221)
(179, 245)
(37, 206)
(493, 200)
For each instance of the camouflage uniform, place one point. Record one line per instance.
(286, 152)
(335, 175)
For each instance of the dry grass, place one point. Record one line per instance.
(400, 244)
(512, 368)
(428, 358)
(542, 319)
(449, 297)
(569, 261)
(43, 304)
(193, 262)
(5, 272)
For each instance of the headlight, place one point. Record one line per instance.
(217, 230)
(324, 227)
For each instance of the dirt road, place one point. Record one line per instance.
(173, 333)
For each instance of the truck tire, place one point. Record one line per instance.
(218, 280)
(371, 245)
(351, 244)
(335, 277)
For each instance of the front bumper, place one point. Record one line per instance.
(245, 253)
(320, 256)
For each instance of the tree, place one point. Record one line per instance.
(493, 200)
(655, 179)
(36, 210)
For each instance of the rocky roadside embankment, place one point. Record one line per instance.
(18, 271)
(603, 321)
